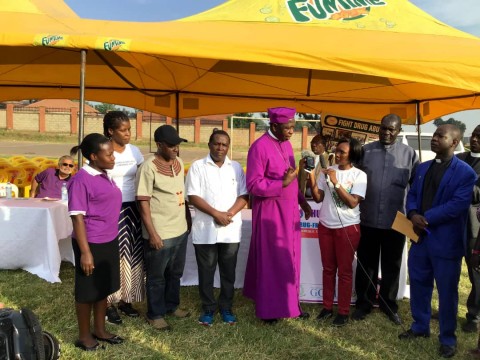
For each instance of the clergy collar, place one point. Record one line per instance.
(271, 134)
(440, 161)
(475, 155)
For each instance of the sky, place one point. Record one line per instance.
(463, 15)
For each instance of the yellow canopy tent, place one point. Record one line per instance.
(357, 58)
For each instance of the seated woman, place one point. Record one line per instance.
(340, 187)
(49, 182)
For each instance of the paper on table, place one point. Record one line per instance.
(404, 226)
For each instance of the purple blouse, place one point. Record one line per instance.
(99, 199)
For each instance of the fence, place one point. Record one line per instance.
(196, 130)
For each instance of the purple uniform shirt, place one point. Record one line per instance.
(100, 200)
(49, 184)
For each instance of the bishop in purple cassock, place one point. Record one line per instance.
(272, 277)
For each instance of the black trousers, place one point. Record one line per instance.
(473, 301)
(373, 241)
(207, 258)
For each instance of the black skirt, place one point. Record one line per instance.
(105, 279)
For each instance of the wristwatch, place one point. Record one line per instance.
(337, 186)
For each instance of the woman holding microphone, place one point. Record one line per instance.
(340, 188)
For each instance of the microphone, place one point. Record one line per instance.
(323, 164)
(307, 153)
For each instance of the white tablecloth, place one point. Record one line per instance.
(35, 236)
(311, 267)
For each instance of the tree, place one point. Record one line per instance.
(244, 123)
(461, 125)
(103, 108)
(317, 125)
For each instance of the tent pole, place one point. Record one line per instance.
(83, 55)
(177, 111)
(417, 110)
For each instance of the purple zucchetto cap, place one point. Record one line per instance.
(281, 115)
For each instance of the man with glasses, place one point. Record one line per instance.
(49, 182)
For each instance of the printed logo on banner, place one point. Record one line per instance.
(113, 44)
(336, 127)
(309, 227)
(53, 40)
(307, 10)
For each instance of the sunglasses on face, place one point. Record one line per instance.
(69, 165)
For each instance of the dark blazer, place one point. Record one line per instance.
(447, 218)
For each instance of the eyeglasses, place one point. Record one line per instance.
(69, 165)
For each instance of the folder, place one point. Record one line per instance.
(404, 226)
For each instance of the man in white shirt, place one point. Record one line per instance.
(217, 189)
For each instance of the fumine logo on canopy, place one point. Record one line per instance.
(49, 40)
(110, 44)
(308, 10)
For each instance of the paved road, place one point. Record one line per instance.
(55, 150)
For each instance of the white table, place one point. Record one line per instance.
(311, 266)
(35, 236)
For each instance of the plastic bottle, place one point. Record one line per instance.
(8, 190)
(64, 192)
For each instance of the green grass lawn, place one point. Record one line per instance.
(374, 338)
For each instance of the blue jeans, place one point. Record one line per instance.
(164, 268)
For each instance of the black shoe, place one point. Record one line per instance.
(112, 315)
(270, 321)
(114, 340)
(95, 347)
(340, 320)
(303, 315)
(447, 351)
(360, 314)
(470, 326)
(325, 314)
(395, 318)
(128, 310)
(410, 334)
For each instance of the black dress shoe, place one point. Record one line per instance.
(395, 318)
(270, 321)
(447, 351)
(303, 315)
(410, 334)
(360, 314)
(325, 314)
(128, 309)
(470, 326)
(340, 320)
(112, 315)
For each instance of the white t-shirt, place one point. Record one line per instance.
(219, 187)
(123, 173)
(355, 182)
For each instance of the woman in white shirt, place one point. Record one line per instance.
(340, 188)
(116, 126)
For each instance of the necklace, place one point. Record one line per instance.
(281, 153)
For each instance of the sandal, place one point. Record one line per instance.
(82, 346)
(114, 340)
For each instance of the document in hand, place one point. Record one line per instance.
(404, 226)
